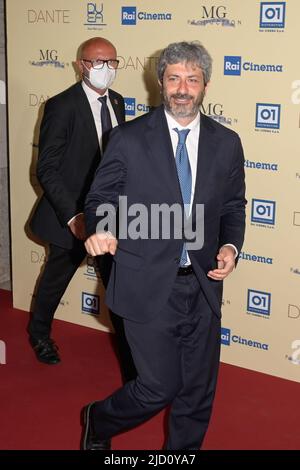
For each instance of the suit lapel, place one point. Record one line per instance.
(207, 148)
(85, 112)
(117, 106)
(159, 144)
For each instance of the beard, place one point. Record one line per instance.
(188, 110)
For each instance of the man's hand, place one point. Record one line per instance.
(226, 263)
(77, 227)
(101, 243)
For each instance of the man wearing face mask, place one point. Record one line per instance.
(73, 136)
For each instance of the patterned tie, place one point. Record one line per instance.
(105, 121)
(184, 176)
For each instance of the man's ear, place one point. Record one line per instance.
(206, 87)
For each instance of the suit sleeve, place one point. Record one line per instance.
(109, 181)
(53, 142)
(232, 226)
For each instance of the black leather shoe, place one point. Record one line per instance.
(90, 440)
(45, 350)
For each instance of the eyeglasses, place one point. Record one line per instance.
(99, 63)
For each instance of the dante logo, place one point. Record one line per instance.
(267, 116)
(293, 311)
(272, 15)
(296, 219)
(128, 15)
(94, 15)
(129, 106)
(90, 303)
(263, 211)
(2, 352)
(48, 16)
(232, 65)
(259, 302)
(225, 336)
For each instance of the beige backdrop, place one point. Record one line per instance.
(255, 90)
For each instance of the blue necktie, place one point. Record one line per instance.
(105, 121)
(184, 176)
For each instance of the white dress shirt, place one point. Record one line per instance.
(95, 105)
(192, 144)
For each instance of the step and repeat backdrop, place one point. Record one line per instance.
(255, 90)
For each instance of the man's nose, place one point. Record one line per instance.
(182, 87)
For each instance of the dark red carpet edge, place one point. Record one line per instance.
(40, 404)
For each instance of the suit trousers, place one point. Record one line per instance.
(177, 359)
(59, 269)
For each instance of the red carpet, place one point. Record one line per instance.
(40, 405)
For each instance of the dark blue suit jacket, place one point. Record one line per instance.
(139, 163)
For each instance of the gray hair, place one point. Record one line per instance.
(192, 52)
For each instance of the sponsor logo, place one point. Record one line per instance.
(216, 112)
(90, 303)
(263, 211)
(272, 15)
(256, 258)
(48, 57)
(261, 166)
(294, 358)
(130, 16)
(92, 271)
(2, 352)
(233, 65)
(216, 15)
(267, 116)
(227, 338)
(294, 310)
(259, 302)
(95, 16)
(48, 16)
(132, 108)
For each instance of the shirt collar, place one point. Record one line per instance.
(172, 123)
(92, 95)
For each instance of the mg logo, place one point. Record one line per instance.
(129, 106)
(215, 12)
(128, 15)
(258, 302)
(267, 116)
(272, 15)
(48, 54)
(212, 109)
(232, 65)
(263, 211)
(90, 303)
(225, 336)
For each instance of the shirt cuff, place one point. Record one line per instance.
(74, 217)
(234, 247)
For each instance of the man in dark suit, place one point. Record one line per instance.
(168, 289)
(73, 134)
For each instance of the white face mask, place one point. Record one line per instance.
(101, 78)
